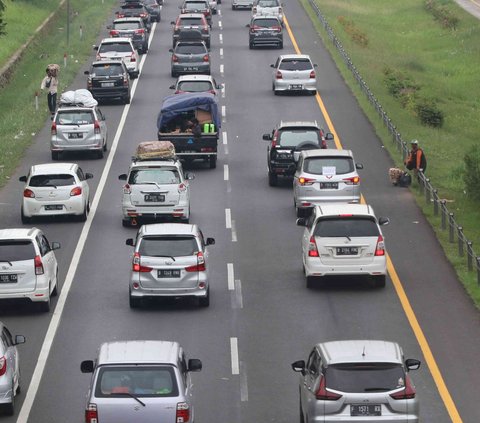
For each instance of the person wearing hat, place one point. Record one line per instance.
(416, 159)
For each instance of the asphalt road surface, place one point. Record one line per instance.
(261, 317)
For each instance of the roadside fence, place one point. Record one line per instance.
(448, 222)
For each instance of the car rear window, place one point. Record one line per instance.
(57, 180)
(191, 21)
(16, 250)
(119, 47)
(141, 381)
(195, 6)
(75, 118)
(174, 246)
(195, 86)
(294, 137)
(365, 377)
(355, 226)
(154, 176)
(190, 49)
(315, 165)
(132, 7)
(265, 23)
(107, 69)
(267, 3)
(295, 64)
(125, 26)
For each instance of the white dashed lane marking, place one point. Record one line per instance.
(234, 354)
(228, 219)
(225, 172)
(230, 277)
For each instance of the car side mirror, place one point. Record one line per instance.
(129, 241)
(170, 50)
(329, 136)
(189, 176)
(301, 221)
(55, 246)
(22, 179)
(247, 26)
(103, 117)
(95, 47)
(299, 366)
(86, 72)
(109, 26)
(88, 175)
(267, 137)
(19, 339)
(194, 365)
(315, 65)
(218, 86)
(359, 165)
(122, 177)
(86, 366)
(172, 87)
(412, 364)
(383, 221)
(172, 23)
(210, 241)
(272, 65)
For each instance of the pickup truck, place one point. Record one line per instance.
(175, 120)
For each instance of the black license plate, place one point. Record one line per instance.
(365, 410)
(54, 207)
(191, 68)
(328, 185)
(347, 251)
(75, 135)
(169, 273)
(154, 198)
(296, 87)
(10, 278)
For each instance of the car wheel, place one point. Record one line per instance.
(126, 223)
(55, 155)
(9, 407)
(205, 301)
(45, 305)
(99, 153)
(251, 46)
(314, 92)
(208, 45)
(134, 302)
(213, 162)
(272, 179)
(310, 282)
(280, 45)
(83, 217)
(105, 146)
(25, 219)
(126, 99)
(174, 74)
(55, 288)
(380, 281)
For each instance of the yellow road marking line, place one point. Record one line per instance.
(407, 308)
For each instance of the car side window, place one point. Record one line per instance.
(44, 245)
(311, 220)
(100, 114)
(183, 368)
(7, 337)
(202, 239)
(80, 174)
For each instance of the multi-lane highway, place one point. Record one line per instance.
(261, 317)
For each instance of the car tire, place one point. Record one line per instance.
(280, 46)
(213, 162)
(204, 301)
(134, 302)
(233, 7)
(83, 217)
(105, 146)
(380, 281)
(208, 44)
(310, 282)
(126, 223)
(55, 155)
(126, 99)
(272, 179)
(314, 92)
(99, 154)
(25, 219)
(9, 407)
(251, 46)
(45, 305)
(174, 74)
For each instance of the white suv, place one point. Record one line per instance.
(344, 240)
(120, 48)
(28, 266)
(155, 189)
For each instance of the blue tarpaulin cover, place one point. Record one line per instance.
(177, 104)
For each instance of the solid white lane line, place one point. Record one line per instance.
(230, 277)
(225, 172)
(221, 52)
(228, 219)
(234, 354)
(243, 382)
(220, 37)
(234, 232)
(57, 314)
(224, 137)
(222, 69)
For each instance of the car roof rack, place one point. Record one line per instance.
(136, 159)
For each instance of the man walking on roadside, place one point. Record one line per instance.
(416, 159)
(50, 82)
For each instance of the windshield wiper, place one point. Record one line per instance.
(150, 183)
(6, 261)
(173, 258)
(346, 236)
(130, 395)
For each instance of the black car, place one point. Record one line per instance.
(191, 21)
(135, 10)
(286, 142)
(265, 31)
(109, 79)
(153, 7)
(132, 28)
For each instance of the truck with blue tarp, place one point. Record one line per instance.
(191, 121)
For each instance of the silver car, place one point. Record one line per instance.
(78, 129)
(195, 84)
(190, 57)
(268, 7)
(325, 175)
(140, 381)
(242, 4)
(120, 49)
(357, 381)
(170, 260)
(9, 369)
(294, 73)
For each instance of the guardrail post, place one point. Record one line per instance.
(460, 241)
(478, 270)
(450, 224)
(444, 218)
(435, 202)
(469, 256)
(426, 191)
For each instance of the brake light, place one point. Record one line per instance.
(408, 392)
(174, 58)
(305, 181)
(3, 365)
(114, 33)
(121, 15)
(127, 189)
(277, 28)
(182, 187)
(312, 74)
(125, 80)
(323, 394)
(205, 28)
(28, 193)
(140, 31)
(380, 249)
(278, 75)
(274, 139)
(89, 83)
(38, 265)
(91, 415)
(355, 180)
(53, 129)
(206, 58)
(183, 413)
(76, 191)
(143, 15)
(254, 28)
(200, 266)
(133, 58)
(312, 248)
(96, 127)
(137, 267)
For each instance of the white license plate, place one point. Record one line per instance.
(108, 84)
(296, 87)
(75, 135)
(191, 68)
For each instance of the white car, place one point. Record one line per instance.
(155, 189)
(343, 240)
(28, 266)
(120, 48)
(294, 73)
(268, 7)
(195, 84)
(55, 189)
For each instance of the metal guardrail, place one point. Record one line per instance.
(456, 234)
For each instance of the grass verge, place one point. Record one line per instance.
(404, 36)
(19, 121)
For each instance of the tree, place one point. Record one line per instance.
(2, 23)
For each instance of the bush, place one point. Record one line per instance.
(428, 112)
(357, 36)
(471, 176)
(399, 84)
(442, 14)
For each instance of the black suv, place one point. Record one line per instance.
(286, 142)
(265, 31)
(132, 28)
(109, 79)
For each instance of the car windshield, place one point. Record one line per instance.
(267, 3)
(74, 118)
(265, 23)
(190, 49)
(118, 47)
(354, 226)
(191, 22)
(195, 86)
(140, 381)
(174, 246)
(154, 175)
(126, 26)
(294, 137)
(365, 377)
(16, 250)
(57, 180)
(295, 64)
(335, 165)
(107, 69)
(150, 2)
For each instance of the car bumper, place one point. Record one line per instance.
(285, 169)
(191, 68)
(59, 147)
(109, 92)
(180, 211)
(242, 5)
(293, 85)
(37, 295)
(6, 390)
(309, 202)
(33, 207)
(266, 40)
(315, 267)
(196, 291)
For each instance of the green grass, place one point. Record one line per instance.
(23, 17)
(445, 63)
(19, 121)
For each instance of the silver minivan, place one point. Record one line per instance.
(140, 381)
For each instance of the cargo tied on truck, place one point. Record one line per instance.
(191, 122)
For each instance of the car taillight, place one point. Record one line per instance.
(125, 79)
(274, 139)
(355, 180)
(380, 249)
(127, 189)
(174, 58)
(312, 248)
(140, 31)
(206, 58)
(53, 129)
(183, 413)
(120, 15)
(305, 181)
(323, 394)
(205, 28)
(312, 74)
(91, 415)
(114, 33)
(133, 58)
(96, 127)
(28, 193)
(254, 28)
(89, 83)
(137, 267)
(182, 187)
(278, 75)
(38, 265)
(200, 266)
(143, 15)
(408, 392)
(76, 191)
(3, 365)
(277, 28)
